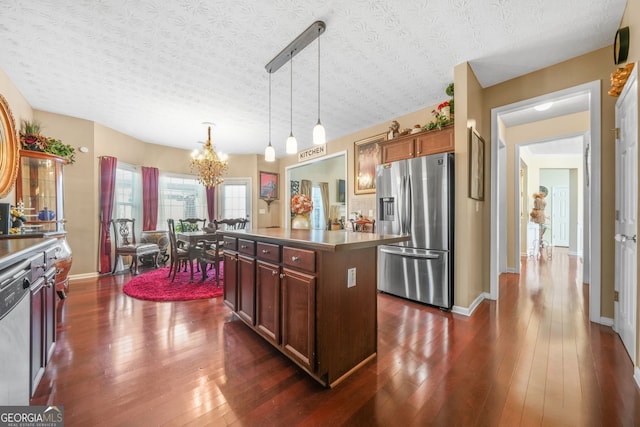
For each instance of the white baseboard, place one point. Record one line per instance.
(83, 276)
(606, 321)
(636, 375)
(468, 311)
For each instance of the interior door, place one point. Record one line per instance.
(627, 214)
(560, 216)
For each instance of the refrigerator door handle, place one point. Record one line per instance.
(404, 205)
(409, 255)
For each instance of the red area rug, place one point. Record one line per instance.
(156, 286)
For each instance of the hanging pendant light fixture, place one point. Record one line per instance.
(208, 164)
(269, 152)
(296, 46)
(319, 134)
(292, 143)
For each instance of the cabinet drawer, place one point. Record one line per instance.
(230, 243)
(300, 259)
(247, 247)
(269, 252)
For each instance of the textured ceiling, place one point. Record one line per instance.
(157, 69)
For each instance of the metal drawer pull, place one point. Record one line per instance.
(281, 276)
(265, 251)
(273, 273)
(243, 246)
(295, 259)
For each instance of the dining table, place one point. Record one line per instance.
(193, 237)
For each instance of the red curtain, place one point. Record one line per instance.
(149, 198)
(211, 202)
(107, 188)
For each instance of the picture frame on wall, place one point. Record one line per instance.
(268, 185)
(476, 165)
(367, 157)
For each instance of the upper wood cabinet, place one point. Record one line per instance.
(418, 145)
(39, 186)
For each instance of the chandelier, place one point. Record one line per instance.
(209, 165)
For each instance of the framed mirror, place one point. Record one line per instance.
(8, 149)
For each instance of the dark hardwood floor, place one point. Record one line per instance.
(531, 359)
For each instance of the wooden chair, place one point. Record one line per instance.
(126, 245)
(210, 253)
(192, 224)
(180, 251)
(231, 223)
(363, 224)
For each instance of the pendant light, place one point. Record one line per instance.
(269, 152)
(319, 134)
(292, 143)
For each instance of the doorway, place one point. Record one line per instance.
(499, 212)
(235, 199)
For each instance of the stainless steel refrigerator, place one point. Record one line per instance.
(416, 197)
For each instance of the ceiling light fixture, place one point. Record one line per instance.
(269, 152)
(208, 164)
(319, 134)
(292, 143)
(286, 55)
(543, 107)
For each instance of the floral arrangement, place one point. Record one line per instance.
(301, 204)
(31, 139)
(444, 104)
(443, 113)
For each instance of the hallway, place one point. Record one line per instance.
(532, 358)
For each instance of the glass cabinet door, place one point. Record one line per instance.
(39, 187)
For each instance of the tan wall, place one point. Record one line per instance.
(20, 109)
(596, 65)
(631, 19)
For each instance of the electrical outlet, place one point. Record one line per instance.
(351, 277)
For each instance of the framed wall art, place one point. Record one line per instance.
(476, 165)
(367, 156)
(8, 149)
(268, 185)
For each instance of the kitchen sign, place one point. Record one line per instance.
(312, 153)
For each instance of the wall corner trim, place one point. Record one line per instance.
(468, 311)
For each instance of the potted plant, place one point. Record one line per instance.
(31, 139)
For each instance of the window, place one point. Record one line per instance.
(128, 194)
(235, 198)
(180, 196)
(317, 214)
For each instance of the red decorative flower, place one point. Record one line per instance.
(444, 104)
(301, 204)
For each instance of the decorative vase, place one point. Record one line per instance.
(300, 222)
(445, 111)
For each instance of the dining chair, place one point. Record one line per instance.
(125, 240)
(192, 224)
(210, 254)
(181, 253)
(364, 225)
(231, 223)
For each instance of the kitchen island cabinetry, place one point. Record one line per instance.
(314, 294)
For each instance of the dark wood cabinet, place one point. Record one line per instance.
(418, 145)
(37, 332)
(298, 316)
(268, 301)
(246, 289)
(300, 299)
(230, 262)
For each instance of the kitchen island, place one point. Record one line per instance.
(310, 293)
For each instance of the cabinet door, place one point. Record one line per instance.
(230, 280)
(37, 332)
(397, 150)
(437, 141)
(49, 312)
(298, 317)
(246, 289)
(268, 301)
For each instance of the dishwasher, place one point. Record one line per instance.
(15, 333)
